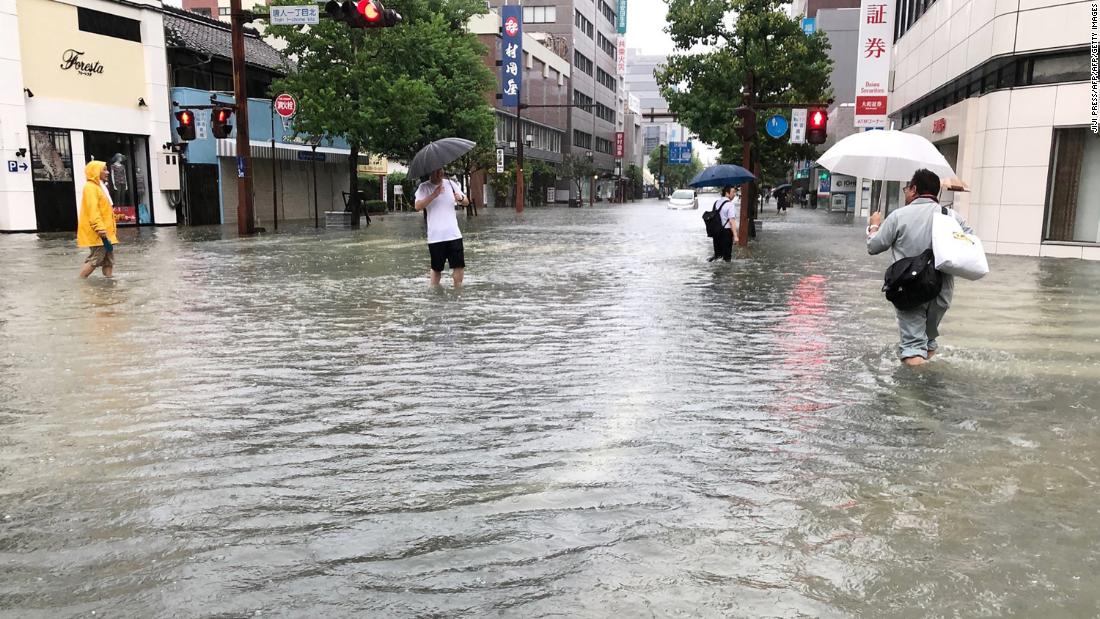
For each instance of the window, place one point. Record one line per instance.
(606, 45)
(608, 12)
(582, 139)
(581, 99)
(585, 26)
(605, 112)
(540, 14)
(582, 62)
(1059, 69)
(1073, 197)
(202, 10)
(605, 78)
(225, 10)
(603, 146)
(906, 13)
(108, 25)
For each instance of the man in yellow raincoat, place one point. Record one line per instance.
(96, 229)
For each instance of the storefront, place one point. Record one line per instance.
(95, 88)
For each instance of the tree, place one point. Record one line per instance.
(390, 91)
(634, 179)
(577, 168)
(705, 89)
(676, 174)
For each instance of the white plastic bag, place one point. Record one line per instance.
(957, 252)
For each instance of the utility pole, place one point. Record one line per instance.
(748, 191)
(245, 219)
(661, 172)
(520, 137)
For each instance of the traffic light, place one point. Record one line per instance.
(362, 13)
(186, 126)
(219, 122)
(817, 127)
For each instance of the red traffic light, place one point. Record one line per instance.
(219, 122)
(186, 126)
(817, 126)
(370, 10)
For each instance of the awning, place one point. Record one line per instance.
(227, 147)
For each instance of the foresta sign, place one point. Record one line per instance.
(71, 59)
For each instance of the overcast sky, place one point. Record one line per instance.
(645, 22)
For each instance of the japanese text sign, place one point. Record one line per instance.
(620, 56)
(295, 15)
(620, 19)
(620, 143)
(798, 125)
(511, 54)
(876, 28)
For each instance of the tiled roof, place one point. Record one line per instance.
(191, 31)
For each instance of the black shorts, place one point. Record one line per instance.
(447, 251)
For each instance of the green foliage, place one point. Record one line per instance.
(705, 89)
(390, 91)
(677, 175)
(578, 169)
(635, 179)
(408, 185)
(375, 206)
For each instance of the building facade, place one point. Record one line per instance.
(642, 83)
(95, 87)
(1002, 89)
(585, 32)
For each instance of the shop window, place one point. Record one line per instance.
(127, 158)
(1073, 197)
(108, 25)
(1060, 69)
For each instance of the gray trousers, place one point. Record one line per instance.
(919, 328)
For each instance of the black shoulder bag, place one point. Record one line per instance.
(911, 282)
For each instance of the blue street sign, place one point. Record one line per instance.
(776, 126)
(511, 54)
(240, 167)
(809, 25)
(305, 155)
(13, 166)
(679, 152)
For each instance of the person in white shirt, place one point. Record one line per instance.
(728, 207)
(439, 196)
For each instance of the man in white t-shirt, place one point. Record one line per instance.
(440, 196)
(729, 205)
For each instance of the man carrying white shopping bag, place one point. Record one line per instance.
(907, 233)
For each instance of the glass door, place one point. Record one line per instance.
(52, 176)
(127, 158)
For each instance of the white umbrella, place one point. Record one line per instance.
(884, 155)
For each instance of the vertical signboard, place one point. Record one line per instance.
(798, 125)
(511, 54)
(876, 28)
(620, 18)
(809, 25)
(620, 143)
(620, 56)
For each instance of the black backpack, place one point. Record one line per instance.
(712, 219)
(911, 282)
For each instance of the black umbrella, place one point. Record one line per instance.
(438, 154)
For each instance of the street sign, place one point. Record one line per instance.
(620, 18)
(285, 104)
(240, 167)
(511, 53)
(776, 126)
(679, 152)
(15, 167)
(798, 125)
(304, 15)
(304, 155)
(809, 25)
(500, 160)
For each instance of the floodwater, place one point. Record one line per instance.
(600, 424)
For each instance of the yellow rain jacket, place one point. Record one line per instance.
(96, 214)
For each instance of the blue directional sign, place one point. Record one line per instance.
(776, 126)
(13, 166)
(679, 152)
(511, 54)
(809, 25)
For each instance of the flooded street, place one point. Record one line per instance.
(599, 424)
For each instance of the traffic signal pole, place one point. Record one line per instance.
(520, 137)
(245, 219)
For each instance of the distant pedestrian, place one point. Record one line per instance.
(438, 197)
(782, 201)
(96, 229)
(727, 206)
(907, 232)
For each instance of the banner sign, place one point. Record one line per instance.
(511, 54)
(620, 143)
(798, 125)
(500, 160)
(809, 25)
(620, 20)
(620, 56)
(876, 31)
(679, 152)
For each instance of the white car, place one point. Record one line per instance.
(683, 199)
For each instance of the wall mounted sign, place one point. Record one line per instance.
(939, 125)
(511, 54)
(876, 35)
(74, 59)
